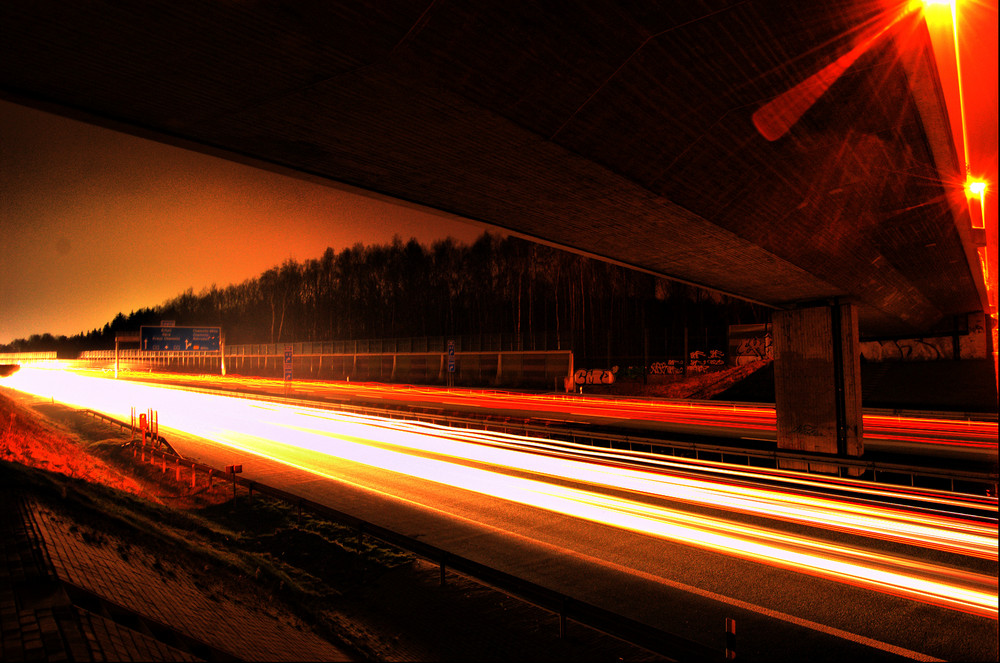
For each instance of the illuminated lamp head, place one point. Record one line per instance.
(975, 187)
(935, 11)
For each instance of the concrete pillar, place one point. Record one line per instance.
(817, 380)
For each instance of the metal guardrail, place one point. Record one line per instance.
(26, 357)
(543, 368)
(566, 607)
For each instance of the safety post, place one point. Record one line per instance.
(233, 470)
(193, 475)
(143, 427)
(730, 638)
(177, 466)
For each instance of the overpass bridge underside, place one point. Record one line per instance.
(642, 136)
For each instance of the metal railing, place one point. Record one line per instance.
(26, 357)
(549, 369)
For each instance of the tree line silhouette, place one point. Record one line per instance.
(496, 285)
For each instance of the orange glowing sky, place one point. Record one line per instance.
(96, 222)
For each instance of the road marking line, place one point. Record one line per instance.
(798, 621)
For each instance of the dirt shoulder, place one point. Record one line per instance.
(368, 599)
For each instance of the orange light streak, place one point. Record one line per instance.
(961, 90)
(943, 533)
(965, 591)
(775, 118)
(715, 419)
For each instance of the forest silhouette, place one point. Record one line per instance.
(496, 285)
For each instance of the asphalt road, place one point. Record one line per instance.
(780, 614)
(689, 590)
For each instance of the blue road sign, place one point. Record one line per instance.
(451, 356)
(190, 339)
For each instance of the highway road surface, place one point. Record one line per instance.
(811, 569)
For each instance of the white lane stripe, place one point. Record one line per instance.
(798, 621)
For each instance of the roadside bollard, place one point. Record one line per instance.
(192, 475)
(177, 476)
(730, 638)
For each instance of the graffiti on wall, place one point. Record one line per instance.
(699, 362)
(758, 347)
(750, 343)
(595, 376)
(970, 346)
(910, 349)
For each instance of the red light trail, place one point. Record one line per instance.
(881, 431)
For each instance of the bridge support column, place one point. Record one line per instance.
(817, 382)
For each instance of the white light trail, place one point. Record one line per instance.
(454, 458)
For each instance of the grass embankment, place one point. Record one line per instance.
(84, 468)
